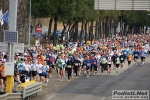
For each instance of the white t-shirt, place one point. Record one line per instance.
(45, 68)
(81, 60)
(111, 53)
(3, 59)
(27, 67)
(33, 67)
(98, 57)
(25, 54)
(39, 68)
(109, 60)
(62, 60)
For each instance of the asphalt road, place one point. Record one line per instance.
(100, 87)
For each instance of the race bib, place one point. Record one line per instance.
(34, 69)
(76, 64)
(136, 55)
(69, 66)
(59, 65)
(88, 64)
(95, 63)
(129, 59)
(142, 55)
(44, 70)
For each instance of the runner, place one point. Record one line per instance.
(60, 62)
(88, 64)
(48, 63)
(122, 60)
(39, 71)
(129, 58)
(33, 70)
(117, 62)
(95, 65)
(76, 64)
(69, 68)
(21, 67)
(103, 62)
(45, 69)
(109, 62)
(2, 76)
(81, 60)
(143, 55)
(135, 55)
(125, 52)
(114, 59)
(52, 64)
(65, 66)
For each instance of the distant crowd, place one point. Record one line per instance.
(71, 60)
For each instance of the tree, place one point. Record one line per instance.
(55, 9)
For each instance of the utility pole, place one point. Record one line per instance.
(13, 4)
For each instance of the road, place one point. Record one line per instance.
(100, 87)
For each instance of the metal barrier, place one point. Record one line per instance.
(30, 89)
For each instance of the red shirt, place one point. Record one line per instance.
(38, 56)
(91, 57)
(52, 59)
(140, 48)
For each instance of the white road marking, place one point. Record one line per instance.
(103, 98)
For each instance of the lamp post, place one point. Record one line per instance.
(29, 25)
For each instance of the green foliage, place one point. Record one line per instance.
(69, 11)
(138, 18)
(66, 10)
(111, 13)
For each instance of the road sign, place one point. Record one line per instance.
(3, 47)
(9, 68)
(19, 47)
(39, 29)
(10, 36)
(38, 34)
(57, 32)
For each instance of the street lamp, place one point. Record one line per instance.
(29, 25)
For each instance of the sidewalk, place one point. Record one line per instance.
(54, 85)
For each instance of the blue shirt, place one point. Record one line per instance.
(123, 44)
(130, 52)
(73, 58)
(95, 62)
(88, 63)
(125, 52)
(21, 68)
(135, 53)
(105, 56)
(143, 54)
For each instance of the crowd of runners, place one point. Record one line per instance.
(75, 59)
